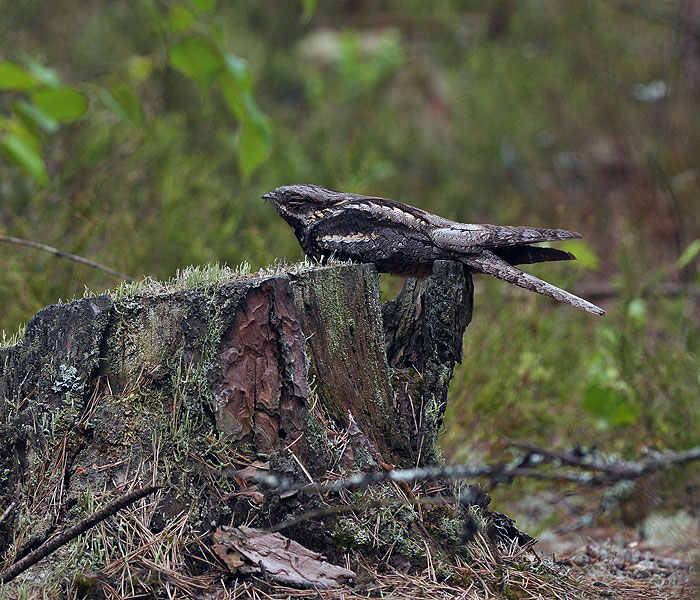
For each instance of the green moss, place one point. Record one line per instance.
(84, 586)
(513, 592)
(350, 534)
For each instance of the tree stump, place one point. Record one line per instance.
(302, 371)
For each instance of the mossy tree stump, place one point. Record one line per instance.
(303, 370)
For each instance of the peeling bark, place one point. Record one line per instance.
(300, 369)
(263, 387)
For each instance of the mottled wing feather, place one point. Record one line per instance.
(468, 238)
(397, 208)
(365, 234)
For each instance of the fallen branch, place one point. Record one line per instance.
(62, 254)
(54, 543)
(498, 473)
(604, 471)
(597, 470)
(614, 469)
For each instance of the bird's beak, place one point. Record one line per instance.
(269, 197)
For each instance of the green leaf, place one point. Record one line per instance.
(196, 58)
(14, 77)
(65, 104)
(111, 103)
(17, 128)
(688, 254)
(26, 157)
(236, 85)
(585, 257)
(637, 311)
(206, 6)
(611, 406)
(42, 74)
(180, 18)
(238, 68)
(254, 140)
(309, 10)
(234, 96)
(34, 117)
(123, 102)
(129, 101)
(139, 68)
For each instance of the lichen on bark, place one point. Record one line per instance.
(292, 368)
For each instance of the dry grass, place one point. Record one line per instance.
(175, 562)
(149, 562)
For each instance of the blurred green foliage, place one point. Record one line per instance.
(51, 103)
(582, 115)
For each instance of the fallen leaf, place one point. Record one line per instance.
(252, 470)
(230, 556)
(281, 558)
(252, 493)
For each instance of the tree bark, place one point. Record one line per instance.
(301, 372)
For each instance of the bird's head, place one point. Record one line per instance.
(302, 204)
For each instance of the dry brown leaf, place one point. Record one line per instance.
(281, 558)
(229, 555)
(252, 493)
(253, 469)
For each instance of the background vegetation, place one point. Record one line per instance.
(142, 134)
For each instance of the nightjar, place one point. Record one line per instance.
(399, 238)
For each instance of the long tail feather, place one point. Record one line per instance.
(462, 237)
(488, 262)
(501, 235)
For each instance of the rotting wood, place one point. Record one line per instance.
(174, 384)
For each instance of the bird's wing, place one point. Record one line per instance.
(488, 262)
(389, 211)
(463, 237)
(365, 232)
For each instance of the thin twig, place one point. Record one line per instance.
(62, 254)
(71, 533)
(606, 471)
(615, 470)
(7, 511)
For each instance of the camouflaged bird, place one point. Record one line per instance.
(399, 238)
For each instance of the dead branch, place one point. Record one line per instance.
(71, 533)
(498, 473)
(597, 470)
(62, 254)
(615, 469)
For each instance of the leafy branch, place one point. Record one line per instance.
(40, 102)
